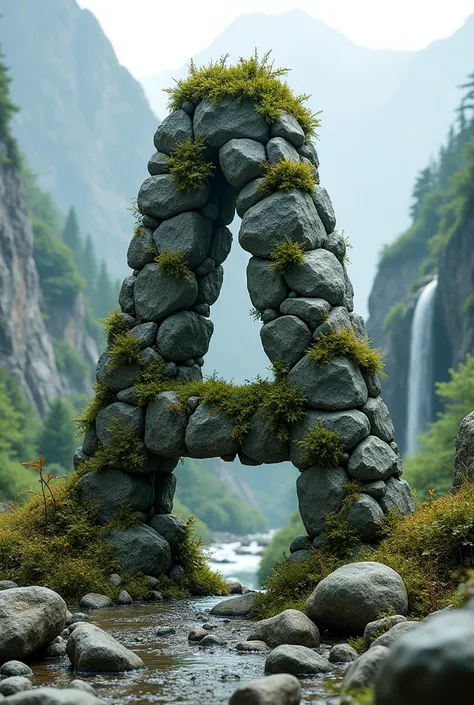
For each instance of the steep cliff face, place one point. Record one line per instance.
(26, 348)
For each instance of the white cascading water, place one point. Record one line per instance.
(420, 371)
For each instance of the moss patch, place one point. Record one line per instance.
(321, 447)
(286, 255)
(286, 175)
(124, 453)
(345, 343)
(251, 79)
(102, 398)
(114, 324)
(188, 165)
(124, 349)
(173, 264)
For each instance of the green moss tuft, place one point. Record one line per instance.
(345, 343)
(251, 79)
(114, 324)
(124, 349)
(102, 398)
(125, 452)
(286, 175)
(321, 447)
(339, 539)
(188, 165)
(173, 264)
(285, 255)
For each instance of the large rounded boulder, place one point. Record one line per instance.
(356, 594)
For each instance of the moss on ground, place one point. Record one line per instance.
(286, 175)
(188, 165)
(69, 554)
(345, 343)
(433, 551)
(286, 255)
(173, 264)
(251, 79)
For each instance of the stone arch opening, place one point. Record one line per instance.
(166, 311)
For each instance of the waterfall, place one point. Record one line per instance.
(420, 370)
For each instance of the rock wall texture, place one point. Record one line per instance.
(171, 320)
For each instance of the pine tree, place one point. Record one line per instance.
(7, 110)
(424, 183)
(104, 299)
(88, 265)
(71, 235)
(57, 438)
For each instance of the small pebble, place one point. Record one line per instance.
(115, 579)
(165, 631)
(197, 634)
(211, 640)
(77, 684)
(15, 668)
(78, 617)
(124, 598)
(209, 626)
(154, 596)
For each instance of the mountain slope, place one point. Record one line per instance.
(85, 125)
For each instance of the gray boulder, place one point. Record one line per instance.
(124, 598)
(206, 266)
(376, 488)
(261, 444)
(216, 125)
(141, 550)
(320, 492)
(7, 585)
(308, 151)
(342, 653)
(14, 684)
(145, 333)
(463, 468)
(358, 326)
(288, 127)
(280, 689)
(364, 517)
(116, 377)
(337, 320)
(312, 311)
(285, 339)
(398, 497)
(241, 160)
(249, 196)
(296, 660)
(335, 386)
(267, 289)
(391, 636)
(372, 459)
(320, 275)
(300, 543)
(175, 128)
(165, 487)
(356, 594)
(288, 627)
(379, 416)
(81, 685)
(15, 668)
(171, 528)
(165, 425)
(126, 300)
(240, 606)
(110, 490)
(375, 629)
(209, 434)
(184, 335)
(140, 251)
(278, 148)
(158, 164)
(252, 646)
(364, 671)
(336, 244)
(91, 650)
(351, 425)
(128, 417)
(433, 664)
(157, 294)
(209, 286)
(95, 601)
(221, 244)
(188, 233)
(53, 696)
(324, 207)
(188, 374)
(30, 618)
(285, 214)
(159, 197)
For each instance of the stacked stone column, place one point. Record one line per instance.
(170, 318)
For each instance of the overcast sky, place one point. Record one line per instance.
(154, 35)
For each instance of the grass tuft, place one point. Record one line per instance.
(124, 349)
(173, 264)
(251, 79)
(286, 255)
(345, 343)
(286, 175)
(102, 398)
(321, 447)
(188, 166)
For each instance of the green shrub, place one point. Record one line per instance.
(249, 79)
(321, 447)
(188, 165)
(102, 397)
(345, 343)
(124, 349)
(286, 175)
(285, 255)
(393, 318)
(173, 264)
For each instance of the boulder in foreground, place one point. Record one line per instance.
(91, 650)
(280, 689)
(240, 606)
(288, 627)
